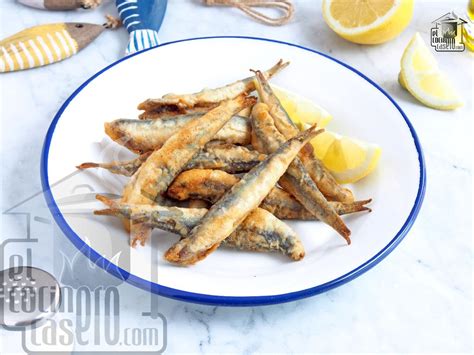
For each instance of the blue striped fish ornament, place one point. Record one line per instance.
(142, 19)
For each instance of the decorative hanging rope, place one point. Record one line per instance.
(248, 6)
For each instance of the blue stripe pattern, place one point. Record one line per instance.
(142, 39)
(142, 19)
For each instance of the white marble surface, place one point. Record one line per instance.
(417, 300)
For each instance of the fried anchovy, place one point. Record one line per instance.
(226, 157)
(141, 136)
(260, 231)
(151, 115)
(211, 185)
(296, 180)
(226, 215)
(164, 115)
(152, 179)
(207, 98)
(321, 176)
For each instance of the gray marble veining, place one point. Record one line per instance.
(417, 300)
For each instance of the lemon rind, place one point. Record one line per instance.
(366, 169)
(336, 26)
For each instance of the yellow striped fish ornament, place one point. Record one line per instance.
(45, 44)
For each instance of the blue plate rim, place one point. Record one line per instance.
(227, 300)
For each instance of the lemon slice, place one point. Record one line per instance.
(421, 76)
(368, 21)
(348, 159)
(300, 109)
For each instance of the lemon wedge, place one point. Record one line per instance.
(300, 109)
(348, 159)
(421, 76)
(368, 21)
(401, 81)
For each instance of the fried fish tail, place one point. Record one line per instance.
(289, 208)
(126, 168)
(227, 214)
(351, 207)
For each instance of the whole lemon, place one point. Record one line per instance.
(368, 21)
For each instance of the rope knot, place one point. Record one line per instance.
(249, 7)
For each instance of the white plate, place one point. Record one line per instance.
(360, 109)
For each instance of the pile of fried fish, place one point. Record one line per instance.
(223, 167)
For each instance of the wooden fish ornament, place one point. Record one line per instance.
(47, 44)
(143, 19)
(59, 5)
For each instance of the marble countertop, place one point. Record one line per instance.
(419, 299)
